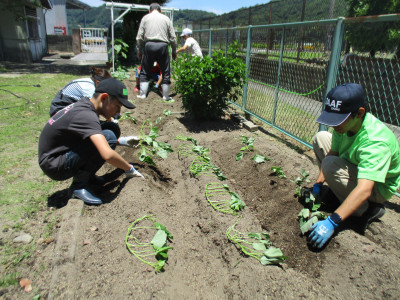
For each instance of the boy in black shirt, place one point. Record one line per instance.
(73, 144)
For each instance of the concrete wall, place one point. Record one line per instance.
(65, 43)
(57, 16)
(59, 43)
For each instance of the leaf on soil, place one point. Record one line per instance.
(260, 158)
(159, 239)
(273, 252)
(239, 156)
(307, 226)
(259, 246)
(26, 284)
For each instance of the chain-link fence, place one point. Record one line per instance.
(292, 66)
(276, 12)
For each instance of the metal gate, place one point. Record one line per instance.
(93, 40)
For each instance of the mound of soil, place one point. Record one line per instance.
(90, 259)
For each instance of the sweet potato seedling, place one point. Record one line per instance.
(278, 171)
(256, 245)
(202, 166)
(137, 242)
(221, 198)
(149, 146)
(309, 215)
(247, 148)
(128, 116)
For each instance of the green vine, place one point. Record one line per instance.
(256, 245)
(144, 250)
(222, 199)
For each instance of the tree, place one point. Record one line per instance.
(131, 23)
(379, 36)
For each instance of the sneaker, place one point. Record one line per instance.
(141, 96)
(374, 212)
(136, 89)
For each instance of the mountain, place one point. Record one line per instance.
(100, 17)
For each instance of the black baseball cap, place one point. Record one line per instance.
(341, 101)
(115, 88)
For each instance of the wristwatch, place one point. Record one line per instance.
(336, 218)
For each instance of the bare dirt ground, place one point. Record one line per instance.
(89, 259)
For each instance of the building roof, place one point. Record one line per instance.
(75, 4)
(46, 4)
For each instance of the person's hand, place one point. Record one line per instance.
(316, 189)
(133, 173)
(129, 141)
(321, 232)
(139, 55)
(173, 55)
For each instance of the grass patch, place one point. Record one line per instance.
(261, 101)
(24, 109)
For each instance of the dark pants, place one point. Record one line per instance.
(84, 161)
(155, 51)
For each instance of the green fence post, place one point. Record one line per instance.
(248, 54)
(226, 42)
(333, 63)
(210, 43)
(279, 74)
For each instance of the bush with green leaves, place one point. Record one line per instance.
(206, 84)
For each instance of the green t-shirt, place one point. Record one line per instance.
(376, 153)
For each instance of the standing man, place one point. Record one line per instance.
(191, 45)
(155, 34)
(73, 143)
(360, 161)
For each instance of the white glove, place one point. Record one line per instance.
(133, 173)
(129, 141)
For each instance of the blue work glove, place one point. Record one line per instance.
(316, 189)
(133, 173)
(321, 232)
(156, 86)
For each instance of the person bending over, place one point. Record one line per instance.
(76, 89)
(360, 161)
(74, 144)
(191, 45)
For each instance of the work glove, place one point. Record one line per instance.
(133, 173)
(129, 141)
(316, 189)
(321, 232)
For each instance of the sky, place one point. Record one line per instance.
(217, 7)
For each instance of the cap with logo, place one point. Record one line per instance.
(186, 31)
(115, 88)
(341, 101)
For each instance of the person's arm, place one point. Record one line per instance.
(356, 198)
(108, 154)
(140, 40)
(323, 230)
(183, 48)
(159, 80)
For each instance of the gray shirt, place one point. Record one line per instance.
(156, 27)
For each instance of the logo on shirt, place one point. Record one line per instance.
(333, 104)
(60, 114)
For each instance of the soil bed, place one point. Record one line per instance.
(203, 264)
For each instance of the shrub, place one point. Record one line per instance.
(206, 84)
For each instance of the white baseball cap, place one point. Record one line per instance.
(186, 31)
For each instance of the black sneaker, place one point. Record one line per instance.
(374, 212)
